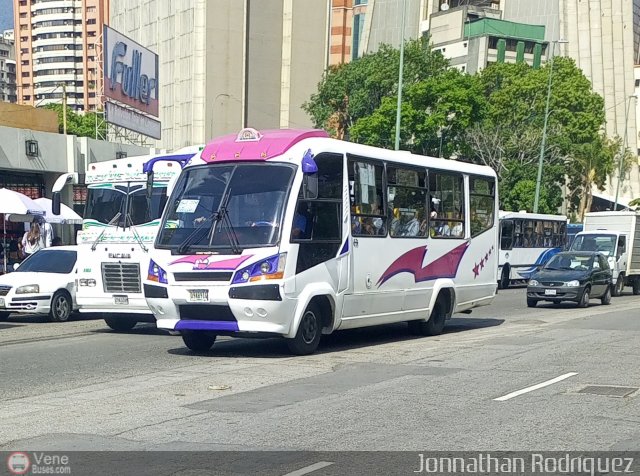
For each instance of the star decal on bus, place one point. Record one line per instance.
(446, 266)
(479, 266)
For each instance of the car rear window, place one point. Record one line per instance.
(49, 261)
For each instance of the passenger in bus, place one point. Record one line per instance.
(412, 228)
(458, 230)
(299, 223)
(395, 228)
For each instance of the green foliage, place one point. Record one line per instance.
(355, 90)
(81, 125)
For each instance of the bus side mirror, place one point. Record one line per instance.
(149, 184)
(310, 187)
(55, 203)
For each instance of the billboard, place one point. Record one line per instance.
(132, 120)
(130, 72)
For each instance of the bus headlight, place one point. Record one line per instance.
(156, 273)
(268, 268)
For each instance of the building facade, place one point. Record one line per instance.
(347, 26)
(7, 70)
(57, 51)
(227, 64)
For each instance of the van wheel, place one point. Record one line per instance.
(584, 301)
(504, 278)
(435, 325)
(617, 289)
(636, 287)
(309, 332)
(198, 341)
(120, 324)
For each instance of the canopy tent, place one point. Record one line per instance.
(11, 203)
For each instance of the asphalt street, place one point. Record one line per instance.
(505, 377)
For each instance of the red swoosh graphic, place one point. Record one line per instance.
(411, 262)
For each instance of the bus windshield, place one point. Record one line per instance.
(104, 203)
(604, 244)
(254, 197)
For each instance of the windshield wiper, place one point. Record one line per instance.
(113, 221)
(222, 215)
(184, 246)
(127, 218)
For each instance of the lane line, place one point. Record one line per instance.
(535, 387)
(309, 469)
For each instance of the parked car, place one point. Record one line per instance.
(44, 283)
(572, 276)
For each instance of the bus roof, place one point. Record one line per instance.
(129, 169)
(531, 216)
(253, 145)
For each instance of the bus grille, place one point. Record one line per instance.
(121, 277)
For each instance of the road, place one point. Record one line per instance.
(79, 386)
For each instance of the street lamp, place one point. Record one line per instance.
(544, 128)
(624, 148)
(400, 71)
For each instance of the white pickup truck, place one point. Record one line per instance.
(616, 235)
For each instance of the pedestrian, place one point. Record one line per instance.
(33, 240)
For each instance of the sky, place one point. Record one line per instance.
(6, 15)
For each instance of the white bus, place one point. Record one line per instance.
(293, 234)
(527, 241)
(119, 226)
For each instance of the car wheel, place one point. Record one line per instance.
(198, 341)
(606, 298)
(618, 288)
(120, 324)
(504, 278)
(61, 306)
(584, 301)
(309, 332)
(4, 316)
(532, 302)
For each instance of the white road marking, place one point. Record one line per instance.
(535, 387)
(309, 469)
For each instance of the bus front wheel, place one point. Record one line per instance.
(309, 332)
(198, 341)
(504, 278)
(120, 324)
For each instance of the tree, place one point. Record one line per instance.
(435, 113)
(354, 90)
(81, 125)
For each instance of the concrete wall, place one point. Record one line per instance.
(384, 21)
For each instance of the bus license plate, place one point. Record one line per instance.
(122, 300)
(550, 292)
(198, 295)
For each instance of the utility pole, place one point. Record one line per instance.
(400, 74)
(64, 108)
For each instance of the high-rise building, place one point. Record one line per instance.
(347, 24)
(227, 64)
(7, 68)
(57, 51)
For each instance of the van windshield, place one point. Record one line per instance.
(605, 244)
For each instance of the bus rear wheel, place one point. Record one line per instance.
(120, 324)
(435, 325)
(198, 341)
(309, 332)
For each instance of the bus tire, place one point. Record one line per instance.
(120, 324)
(435, 325)
(504, 278)
(309, 332)
(198, 341)
(636, 287)
(617, 289)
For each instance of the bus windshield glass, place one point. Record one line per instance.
(104, 203)
(210, 203)
(604, 244)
